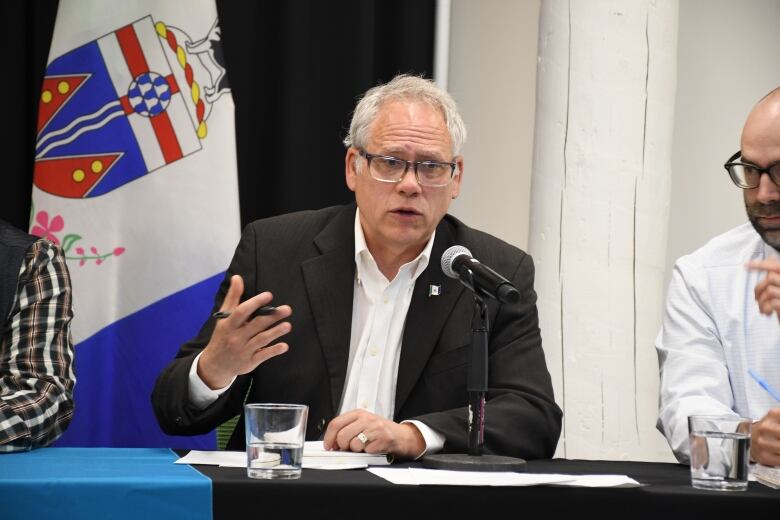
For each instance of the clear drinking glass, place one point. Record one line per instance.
(720, 449)
(275, 435)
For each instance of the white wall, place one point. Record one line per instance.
(728, 58)
(492, 75)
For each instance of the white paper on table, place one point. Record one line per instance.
(767, 475)
(314, 457)
(439, 477)
(315, 453)
(229, 459)
(341, 465)
(421, 476)
(616, 481)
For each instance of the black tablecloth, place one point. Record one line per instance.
(666, 493)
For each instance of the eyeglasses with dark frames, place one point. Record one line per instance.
(385, 168)
(747, 175)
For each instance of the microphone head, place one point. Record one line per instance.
(449, 256)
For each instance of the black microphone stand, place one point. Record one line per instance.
(477, 387)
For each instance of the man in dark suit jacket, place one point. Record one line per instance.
(378, 344)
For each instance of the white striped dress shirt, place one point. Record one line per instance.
(712, 334)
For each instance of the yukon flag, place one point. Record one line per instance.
(135, 178)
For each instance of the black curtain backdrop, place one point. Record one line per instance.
(26, 39)
(296, 69)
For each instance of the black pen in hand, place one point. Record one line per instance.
(265, 310)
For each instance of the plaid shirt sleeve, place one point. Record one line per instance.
(36, 353)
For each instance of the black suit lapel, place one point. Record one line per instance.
(426, 317)
(329, 282)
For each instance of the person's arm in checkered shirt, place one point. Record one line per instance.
(36, 353)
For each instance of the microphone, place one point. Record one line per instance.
(457, 262)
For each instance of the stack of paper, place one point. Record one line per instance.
(767, 475)
(314, 457)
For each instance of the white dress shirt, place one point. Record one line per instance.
(712, 334)
(379, 308)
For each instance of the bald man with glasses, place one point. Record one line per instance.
(723, 307)
(368, 331)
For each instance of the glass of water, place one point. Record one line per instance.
(275, 435)
(720, 449)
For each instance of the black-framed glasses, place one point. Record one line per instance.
(748, 176)
(385, 168)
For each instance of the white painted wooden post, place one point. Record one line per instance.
(599, 212)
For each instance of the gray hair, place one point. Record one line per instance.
(411, 88)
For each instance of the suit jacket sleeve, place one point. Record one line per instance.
(170, 397)
(521, 416)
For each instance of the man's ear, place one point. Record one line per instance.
(350, 167)
(459, 178)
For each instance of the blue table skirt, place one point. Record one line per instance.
(101, 483)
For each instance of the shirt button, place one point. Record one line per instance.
(387, 299)
(364, 404)
(373, 351)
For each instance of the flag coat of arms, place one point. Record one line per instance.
(135, 178)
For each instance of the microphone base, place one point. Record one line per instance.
(464, 462)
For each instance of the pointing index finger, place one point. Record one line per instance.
(770, 265)
(233, 295)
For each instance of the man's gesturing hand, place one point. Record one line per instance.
(767, 291)
(238, 343)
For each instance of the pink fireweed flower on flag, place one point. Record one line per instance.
(46, 229)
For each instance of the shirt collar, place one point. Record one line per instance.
(363, 256)
(769, 251)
